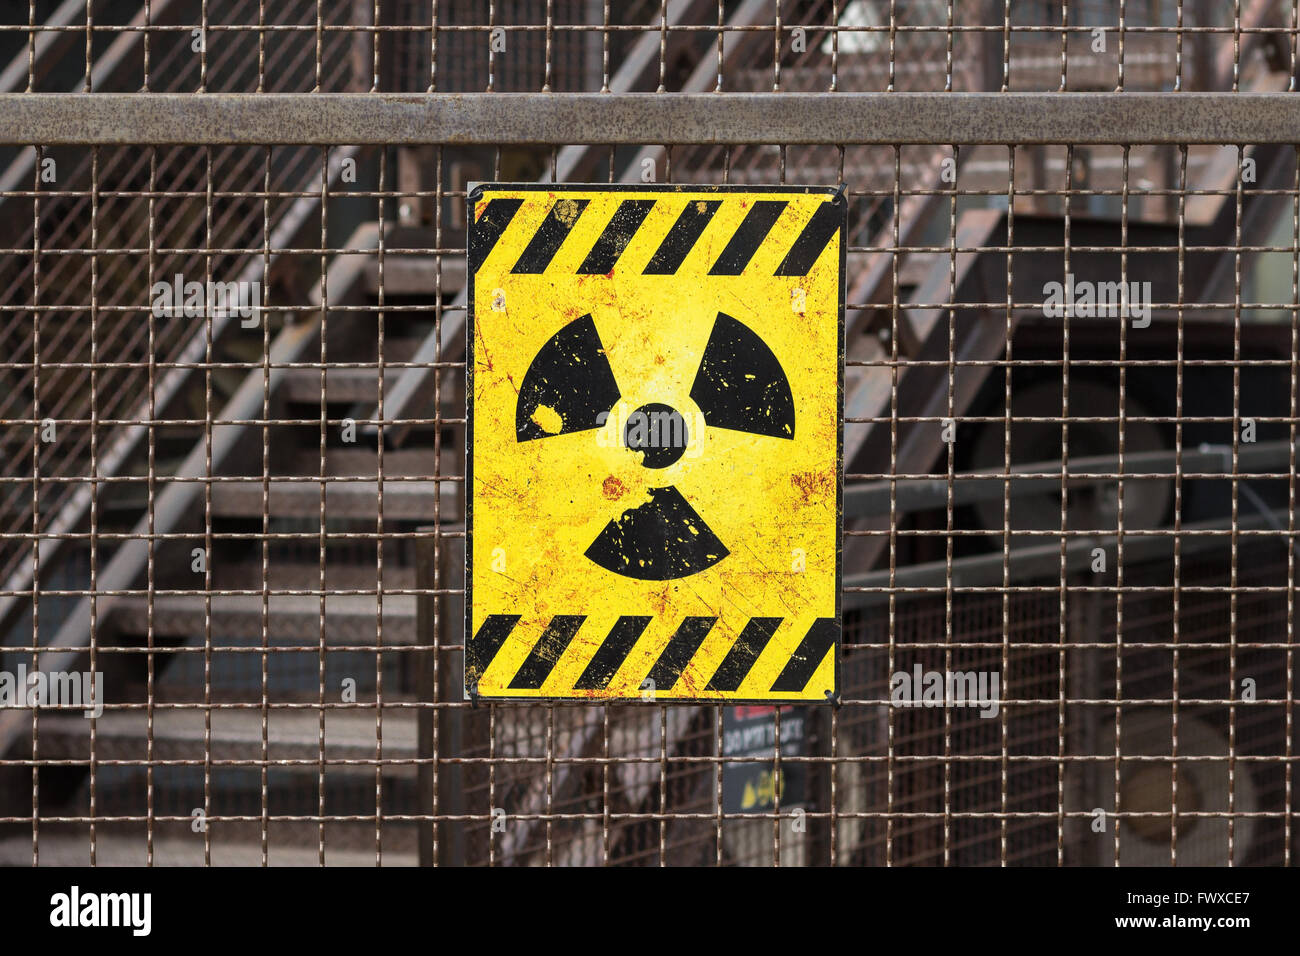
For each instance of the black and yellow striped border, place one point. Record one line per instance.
(689, 224)
(612, 652)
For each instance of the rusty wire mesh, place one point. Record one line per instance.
(294, 696)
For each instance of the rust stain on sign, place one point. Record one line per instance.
(816, 487)
(654, 445)
(613, 489)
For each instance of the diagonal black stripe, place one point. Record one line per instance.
(812, 650)
(758, 223)
(487, 229)
(611, 653)
(736, 665)
(492, 633)
(681, 237)
(622, 227)
(679, 651)
(550, 235)
(824, 222)
(546, 652)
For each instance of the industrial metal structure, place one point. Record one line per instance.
(250, 519)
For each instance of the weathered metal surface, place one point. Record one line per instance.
(556, 119)
(697, 557)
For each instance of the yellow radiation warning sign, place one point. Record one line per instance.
(654, 384)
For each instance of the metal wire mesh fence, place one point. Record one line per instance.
(248, 520)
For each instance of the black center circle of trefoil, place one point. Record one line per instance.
(659, 431)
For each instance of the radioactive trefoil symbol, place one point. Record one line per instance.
(740, 385)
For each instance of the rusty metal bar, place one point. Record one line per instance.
(555, 119)
(1030, 564)
(918, 494)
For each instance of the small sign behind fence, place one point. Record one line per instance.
(751, 787)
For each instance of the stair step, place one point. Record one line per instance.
(236, 734)
(915, 270)
(364, 462)
(351, 571)
(341, 384)
(415, 275)
(403, 500)
(356, 386)
(350, 619)
(186, 848)
(402, 348)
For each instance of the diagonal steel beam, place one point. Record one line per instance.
(127, 440)
(177, 501)
(107, 72)
(49, 46)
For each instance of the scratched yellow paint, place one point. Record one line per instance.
(538, 505)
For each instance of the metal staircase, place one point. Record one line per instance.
(389, 313)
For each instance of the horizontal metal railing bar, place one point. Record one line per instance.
(395, 252)
(988, 485)
(653, 28)
(452, 254)
(902, 362)
(273, 707)
(366, 709)
(910, 419)
(859, 589)
(673, 815)
(1134, 192)
(388, 535)
(869, 496)
(955, 644)
(68, 727)
(1060, 419)
(906, 577)
(489, 119)
(1038, 561)
(308, 763)
(423, 309)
